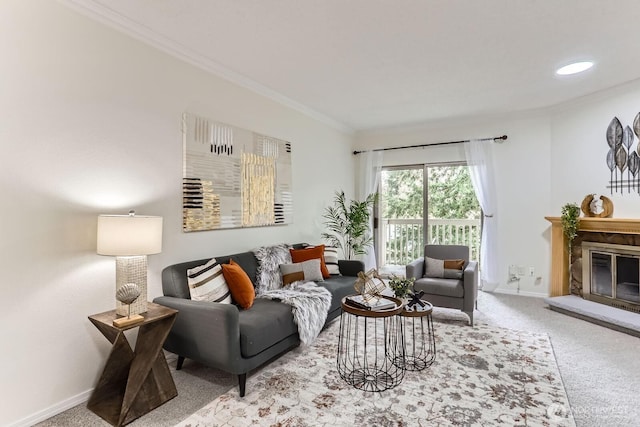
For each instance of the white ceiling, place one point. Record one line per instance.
(367, 64)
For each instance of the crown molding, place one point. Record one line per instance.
(115, 20)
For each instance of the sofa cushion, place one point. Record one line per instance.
(206, 283)
(308, 271)
(340, 287)
(239, 284)
(317, 252)
(267, 323)
(445, 287)
(443, 268)
(331, 260)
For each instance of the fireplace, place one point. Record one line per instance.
(611, 274)
(623, 231)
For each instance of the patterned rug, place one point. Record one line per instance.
(482, 376)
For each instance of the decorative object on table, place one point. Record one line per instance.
(233, 177)
(127, 294)
(369, 285)
(401, 286)
(597, 205)
(621, 156)
(570, 219)
(130, 238)
(349, 226)
(359, 301)
(415, 300)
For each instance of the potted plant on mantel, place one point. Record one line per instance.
(570, 219)
(348, 225)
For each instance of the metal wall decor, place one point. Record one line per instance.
(623, 161)
(233, 177)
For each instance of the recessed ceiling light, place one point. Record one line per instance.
(576, 67)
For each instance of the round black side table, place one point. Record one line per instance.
(419, 339)
(368, 343)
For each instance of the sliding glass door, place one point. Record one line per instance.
(432, 203)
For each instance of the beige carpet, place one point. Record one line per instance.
(482, 376)
(599, 368)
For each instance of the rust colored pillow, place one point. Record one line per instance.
(454, 264)
(317, 252)
(239, 284)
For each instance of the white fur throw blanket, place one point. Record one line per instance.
(309, 304)
(269, 259)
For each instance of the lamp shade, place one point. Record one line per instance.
(129, 235)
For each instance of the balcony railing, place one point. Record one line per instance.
(401, 240)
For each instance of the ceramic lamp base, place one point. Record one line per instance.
(132, 269)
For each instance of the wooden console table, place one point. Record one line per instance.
(134, 383)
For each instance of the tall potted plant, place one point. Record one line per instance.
(348, 224)
(570, 219)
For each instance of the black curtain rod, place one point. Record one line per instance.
(497, 138)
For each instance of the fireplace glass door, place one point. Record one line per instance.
(628, 278)
(623, 270)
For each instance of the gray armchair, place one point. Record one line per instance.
(448, 293)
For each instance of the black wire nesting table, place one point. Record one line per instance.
(367, 345)
(376, 347)
(419, 338)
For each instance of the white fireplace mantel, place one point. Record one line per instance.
(560, 255)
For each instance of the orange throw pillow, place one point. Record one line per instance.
(239, 284)
(317, 252)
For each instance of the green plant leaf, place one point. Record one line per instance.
(348, 225)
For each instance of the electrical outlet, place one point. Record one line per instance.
(532, 271)
(521, 271)
(513, 270)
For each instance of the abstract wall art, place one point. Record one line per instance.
(233, 177)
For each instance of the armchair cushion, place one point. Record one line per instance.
(436, 286)
(443, 268)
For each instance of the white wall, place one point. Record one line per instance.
(551, 158)
(90, 124)
(579, 149)
(522, 180)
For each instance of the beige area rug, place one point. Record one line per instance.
(482, 376)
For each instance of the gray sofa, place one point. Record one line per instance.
(235, 340)
(450, 293)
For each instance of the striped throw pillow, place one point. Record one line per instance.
(206, 283)
(331, 259)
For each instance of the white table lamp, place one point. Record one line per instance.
(130, 238)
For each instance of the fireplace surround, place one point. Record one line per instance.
(622, 231)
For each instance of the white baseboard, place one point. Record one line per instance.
(521, 293)
(52, 410)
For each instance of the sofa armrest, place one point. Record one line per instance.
(208, 332)
(350, 267)
(415, 269)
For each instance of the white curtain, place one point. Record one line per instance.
(370, 164)
(480, 161)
